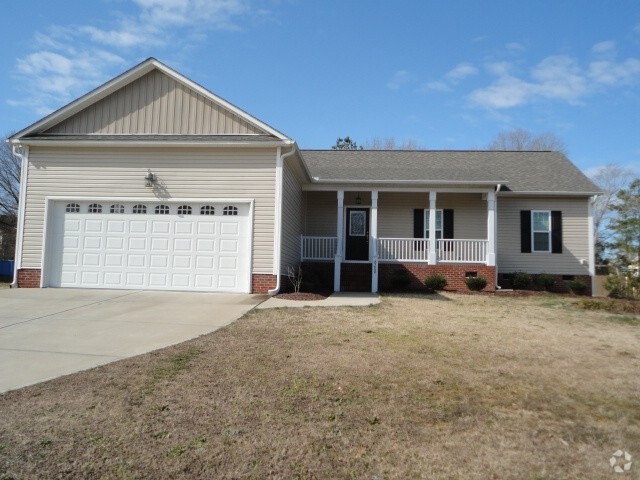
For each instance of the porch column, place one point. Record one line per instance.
(339, 241)
(491, 229)
(433, 257)
(374, 241)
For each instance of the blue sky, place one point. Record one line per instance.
(448, 74)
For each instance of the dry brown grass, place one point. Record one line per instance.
(443, 386)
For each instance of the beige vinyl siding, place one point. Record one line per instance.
(575, 243)
(292, 213)
(155, 104)
(320, 218)
(181, 173)
(395, 212)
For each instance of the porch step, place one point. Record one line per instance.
(355, 277)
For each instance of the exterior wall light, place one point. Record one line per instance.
(149, 178)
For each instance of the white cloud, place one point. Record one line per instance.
(604, 47)
(68, 60)
(461, 71)
(400, 78)
(436, 86)
(557, 77)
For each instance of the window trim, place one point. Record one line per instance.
(534, 231)
(426, 223)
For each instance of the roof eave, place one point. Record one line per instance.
(145, 143)
(409, 182)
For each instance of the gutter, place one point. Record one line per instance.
(144, 143)
(277, 237)
(434, 182)
(24, 167)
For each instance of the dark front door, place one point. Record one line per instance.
(357, 234)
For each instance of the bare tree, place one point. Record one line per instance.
(390, 143)
(9, 195)
(523, 140)
(611, 179)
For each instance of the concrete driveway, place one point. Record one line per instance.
(47, 333)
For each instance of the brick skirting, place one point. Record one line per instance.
(29, 278)
(262, 283)
(411, 276)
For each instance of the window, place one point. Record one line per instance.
(72, 208)
(116, 208)
(162, 210)
(438, 224)
(230, 210)
(139, 209)
(95, 208)
(184, 210)
(541, 231)
(207, 210)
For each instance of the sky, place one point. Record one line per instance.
(447, 74)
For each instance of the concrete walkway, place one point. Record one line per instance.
(341, 299)
(47, 333)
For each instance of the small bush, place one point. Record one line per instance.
(435, 282)
(475, 283)
(520, 281)
(577, 286)
(623, 286)
(544, 281)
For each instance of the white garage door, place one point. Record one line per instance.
(149, 245)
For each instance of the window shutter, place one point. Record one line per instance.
(556, 231)
(418, 223)
(525, 231)
(447, 223)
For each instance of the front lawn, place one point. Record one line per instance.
(438, 387)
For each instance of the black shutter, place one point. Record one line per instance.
(556, 231)
(525, 231)
(447, 223)
(418, 223)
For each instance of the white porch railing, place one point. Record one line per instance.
(403, 249)
(462, 251)
(318, 248)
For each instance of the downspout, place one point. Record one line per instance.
(495, 235)
(277, 250)
(24, 166)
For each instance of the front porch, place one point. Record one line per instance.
(370, 249)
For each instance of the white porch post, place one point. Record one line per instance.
(374, 241)
(433, 257)
(491, 229)
(339, 242)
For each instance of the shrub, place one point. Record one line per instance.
(520, 281)
(475, 283)
(544, 281)
(577, 286)
(435, 282)
(623, 286)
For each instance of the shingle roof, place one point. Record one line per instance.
(518, 171)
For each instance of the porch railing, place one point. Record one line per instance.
(318, 248)
(403, 249)
(462, 251)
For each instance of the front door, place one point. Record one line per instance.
(357, 235)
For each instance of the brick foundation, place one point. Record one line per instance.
(317, 276)
(29, 278)
(262, 283)
(355, 277)
(411, 276)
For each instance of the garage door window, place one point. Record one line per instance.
(184, 210)
(116, 208)
(139, 209)
(95, 208)
(72, 208)
(230, 210)
(162, 210)
(207, 210)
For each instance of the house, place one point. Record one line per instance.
(151, 181)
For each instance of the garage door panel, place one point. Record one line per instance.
(141, 249)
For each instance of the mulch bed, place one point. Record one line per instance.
(303, 296)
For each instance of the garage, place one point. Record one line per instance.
(151, 245)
